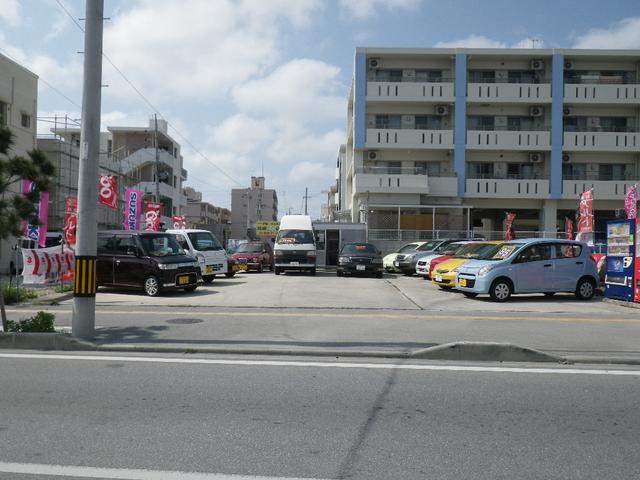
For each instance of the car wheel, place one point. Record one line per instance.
(192, 288)
(586, 289)
(500, 290)
(339, 274)
(313, 271)
(549, 294)
(229, 274)
(152, 286)
(277, 271)
(259, 268)
(470, 294)
(207, 279)
(379, 275)
(445, 287)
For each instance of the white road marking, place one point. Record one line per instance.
(284, 363)
(123, 473)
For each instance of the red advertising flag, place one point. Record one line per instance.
(107, 191)
(179, 222)
(631, 202)
(70, 220)
(585, 211)
(568, 228)
(509, 233)
(151, 216)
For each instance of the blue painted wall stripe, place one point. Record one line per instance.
(359, 96)
(460, 121)
(557, 136)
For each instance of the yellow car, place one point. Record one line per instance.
(445, 273)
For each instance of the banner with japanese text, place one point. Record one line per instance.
(151, 216)
(509, 233)
(179, 222)
(46, 265)
(132, 208)
(70, 220)
(108, 191)
(568, 228)
(36, 231)
(631, 202)
(585, 212)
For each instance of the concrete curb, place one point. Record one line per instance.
(46, 300)
(43, 341)
(485, 351)
(622, 303)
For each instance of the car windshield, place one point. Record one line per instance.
(160, 245)
(204, 241)
(428, 246)
(504, 251)
(452, 248)
(481, 250)
(355, 248)
(294, 237)
(408, 248)
(250, 248)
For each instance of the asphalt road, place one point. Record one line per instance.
(141, 417)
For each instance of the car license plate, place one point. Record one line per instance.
(242, 267)
(209, 269)
(295, 264)
(360, 267)
(438, 278)
(183, 280)
(462, 282)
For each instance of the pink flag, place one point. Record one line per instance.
(631, 202)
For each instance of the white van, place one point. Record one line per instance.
(205, 247)
(295, 247)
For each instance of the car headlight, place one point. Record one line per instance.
(200, 259)
(484, 270)
(410, 257)
(376, 261)
(343, 259)
(172, 266)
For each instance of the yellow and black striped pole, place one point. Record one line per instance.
(85, 277)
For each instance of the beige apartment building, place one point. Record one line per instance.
(249, 205)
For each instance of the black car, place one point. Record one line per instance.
(359, 258)
(152, 261)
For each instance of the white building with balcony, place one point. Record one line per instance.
(442, 140)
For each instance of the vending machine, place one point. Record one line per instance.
(620, 276)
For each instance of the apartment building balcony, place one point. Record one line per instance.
(601, 91)
(602, 189)
(410, 92)
(183, 174)
(507, 188)
(166, 190)
(602, 141)
(409, 138)
(508, 140)
(509, 92)
(403, 180)
(145, 156)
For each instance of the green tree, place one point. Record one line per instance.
(14, 208)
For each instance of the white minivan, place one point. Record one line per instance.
(295, 247)
(206, 248)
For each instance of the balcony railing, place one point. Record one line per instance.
(395, 171)
(439, 139)
(602, 141)
(602, 190)
(509, 92)
(509, 140)
(507, 188)
(410, 91)
(601, 93)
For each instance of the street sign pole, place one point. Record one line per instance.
(84, 291)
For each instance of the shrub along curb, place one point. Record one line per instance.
(43, 341)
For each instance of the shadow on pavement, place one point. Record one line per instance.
(129, 334)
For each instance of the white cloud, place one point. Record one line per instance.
(301, 89)
(529, 42)
(10, 12)
(200, 48)
(294, 143)
(620, 35)
(240, 134)
(363, 9)
(310, 172)
(472, 41)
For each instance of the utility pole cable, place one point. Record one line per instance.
(84, 290)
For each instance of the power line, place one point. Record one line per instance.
(148, 102)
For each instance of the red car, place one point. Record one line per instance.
(253, 256)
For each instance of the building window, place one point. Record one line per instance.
(480, 170)
(428, 122)
(429, 76)
(3, 113)
(25, 120)
(388, 121)
(427, 168)
(574, 171)
(611, 171)
(481, 123)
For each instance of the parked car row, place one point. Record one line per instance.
(503, 268)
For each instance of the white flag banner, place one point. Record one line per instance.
(45, 265)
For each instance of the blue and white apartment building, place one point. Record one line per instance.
(443, 140)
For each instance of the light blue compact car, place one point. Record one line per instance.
(531, 266)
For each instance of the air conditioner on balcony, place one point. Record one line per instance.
(535, 157)
(566, 111)
(375, 63)
(372, 155)
(536, 111)
(536, 64)
(566, 158)
(568, 65)
(442, 110)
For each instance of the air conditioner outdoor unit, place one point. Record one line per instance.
(566, 111)
(536, 64)
(442, 110)
(374, 63)
(372, 155)
(566, 158)
(535, 157)
(568, 65)
(536, 111)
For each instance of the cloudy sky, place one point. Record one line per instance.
(253, 84)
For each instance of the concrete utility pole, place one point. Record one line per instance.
(84, 291)
(155, 121)
(306, 197)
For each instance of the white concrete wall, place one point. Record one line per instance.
(507, 188)
(509, 92)
(377, 138)
(509, 140)
(410, 92)
(601, 141)
(581, 93)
